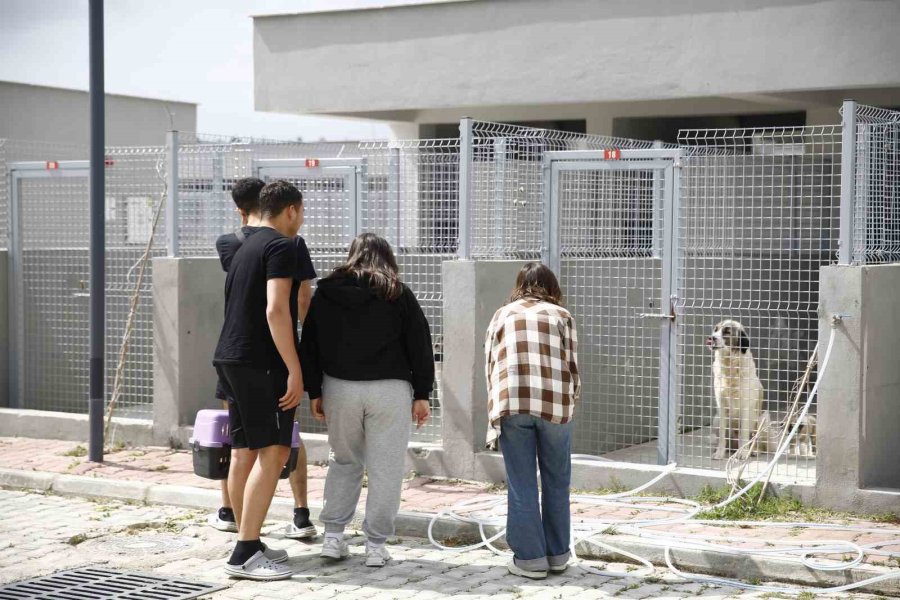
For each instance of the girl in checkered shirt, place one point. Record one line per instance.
(533, 386)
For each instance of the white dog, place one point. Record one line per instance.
(739, 393)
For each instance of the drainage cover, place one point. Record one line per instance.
(100, 584)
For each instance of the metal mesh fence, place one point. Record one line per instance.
(20, 150)
(758, 217)
(50, 277)
(507, 184)
(405, 191)
(876, 204)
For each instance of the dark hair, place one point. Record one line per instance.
(277, 196)
(372, 259)
(537, 281)
(245, 193)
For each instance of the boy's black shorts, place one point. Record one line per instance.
(253, 414)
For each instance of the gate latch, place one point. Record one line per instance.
(656, 316)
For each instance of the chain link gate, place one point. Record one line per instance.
(609, 239)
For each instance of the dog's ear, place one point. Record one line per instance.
(745, 342)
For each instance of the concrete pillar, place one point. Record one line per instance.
(473, 291)
(4, 328)
(188, 307)
(858, 411)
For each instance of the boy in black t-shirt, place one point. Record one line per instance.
(245, 194)
(257, 359)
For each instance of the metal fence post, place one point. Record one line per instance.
(172, 194)
(552, 212)
(848, 182)
(466, 155)
(97, 185)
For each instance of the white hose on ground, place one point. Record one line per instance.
(488, 512)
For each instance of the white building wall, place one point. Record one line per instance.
(31, 112)
(396, 62)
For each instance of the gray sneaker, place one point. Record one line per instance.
(514, 569)
(275, 555)
(335, 548)
(376, 556)
(259, 568)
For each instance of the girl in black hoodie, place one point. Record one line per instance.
(367, 365)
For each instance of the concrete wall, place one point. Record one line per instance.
(395, 62)
(473, 291)
(188, 309)
(880, 438)
(858, 403)
(4, 329)
(32, 112)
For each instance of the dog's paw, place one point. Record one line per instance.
(719, 454)
(742, 454)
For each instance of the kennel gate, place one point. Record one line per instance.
(609, 237)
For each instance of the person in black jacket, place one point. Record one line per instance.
(367, 364)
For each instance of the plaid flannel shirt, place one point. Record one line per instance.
(531, 364)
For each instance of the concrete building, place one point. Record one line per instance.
(635, 69)
(41, 113)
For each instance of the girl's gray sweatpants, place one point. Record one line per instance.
(368, 428)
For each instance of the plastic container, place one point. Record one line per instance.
(211, 444)
(295, 453)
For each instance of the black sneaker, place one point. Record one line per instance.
(301, 527)
(223, 520)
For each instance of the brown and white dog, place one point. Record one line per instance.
(803, 443)
(739, 393)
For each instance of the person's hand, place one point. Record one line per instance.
(294, 392)
(420, 412)
(315, 406)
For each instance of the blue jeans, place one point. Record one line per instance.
(537, 533)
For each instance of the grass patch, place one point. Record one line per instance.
(77, 451)
(748, 508)
(117, 447)
(77, 539)
(886, 517)
(167, 526)
(160, 468)
(458, 541)
(496, 488)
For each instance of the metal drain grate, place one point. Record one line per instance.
(100, 584)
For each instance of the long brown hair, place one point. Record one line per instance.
(537, 281)
(372, 259)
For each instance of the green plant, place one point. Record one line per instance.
(78, 451)
(887, 517)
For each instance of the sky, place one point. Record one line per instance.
(192, 50)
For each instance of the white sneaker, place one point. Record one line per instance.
(516, 570)
(376, 555)
(275, 555)
(559, 568)
(335, 548)
(300, 533)
(259, 568)
(213, 520)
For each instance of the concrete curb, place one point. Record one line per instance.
(415, 524)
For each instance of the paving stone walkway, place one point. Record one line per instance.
(42, 534)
